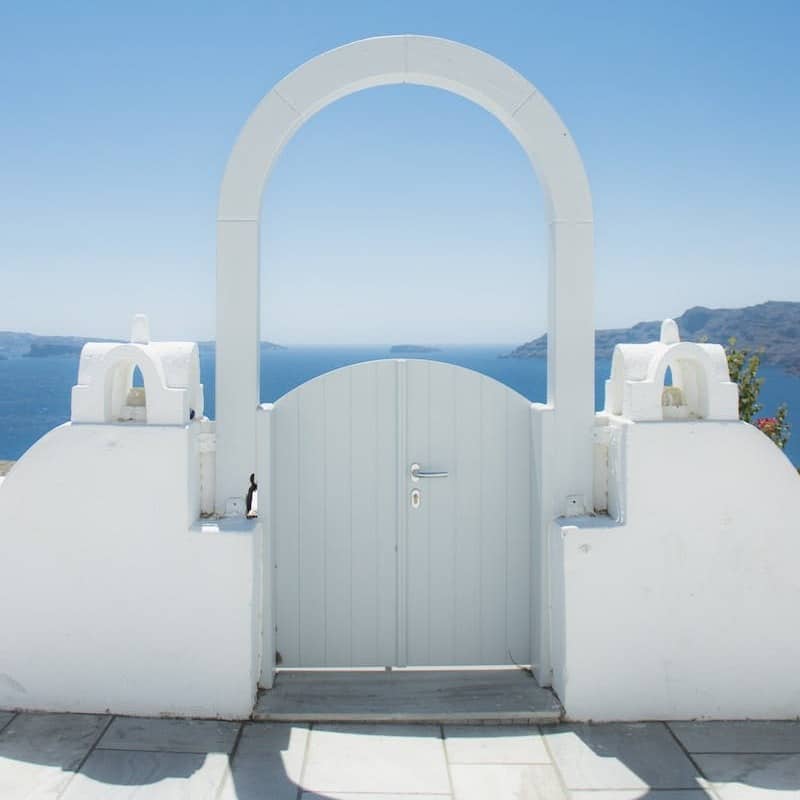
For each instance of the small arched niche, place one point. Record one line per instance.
(108, 389)
(126, 393)
(684, 393)
(671, 380)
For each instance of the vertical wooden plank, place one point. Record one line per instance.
(363, 490)
(440, 495)
(493, 523)
(339, 555)
(402, 509)
(363, 503)
(418, 520)
(387, 509)
(285, 467)
(467, 548)
(518, 527)
(311, 529)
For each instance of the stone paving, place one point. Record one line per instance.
(88, 757)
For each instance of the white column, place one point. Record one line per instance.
(570, 362)
(238, 357)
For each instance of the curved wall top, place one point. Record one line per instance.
(545, 139)
(421, 60)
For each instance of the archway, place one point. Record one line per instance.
(518, 105)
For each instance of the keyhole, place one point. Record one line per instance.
(416, 497)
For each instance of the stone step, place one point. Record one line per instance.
(470, 696)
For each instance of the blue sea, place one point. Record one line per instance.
(35, 392)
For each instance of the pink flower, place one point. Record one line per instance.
(768, 425)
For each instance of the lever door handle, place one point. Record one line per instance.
(416, 473)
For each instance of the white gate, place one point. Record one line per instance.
(364, 574)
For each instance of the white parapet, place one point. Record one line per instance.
(137, 606)
(113, 575)
(686, 606)
(701, 386)
(172, 393)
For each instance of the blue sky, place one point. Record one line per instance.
(400, 213)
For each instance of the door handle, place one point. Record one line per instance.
(416, 473)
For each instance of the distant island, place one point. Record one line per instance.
(29, 345)
(413, 348)
(771, 328)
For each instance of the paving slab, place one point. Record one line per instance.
(518, 781)
(129, 775)
(249, 780)
(742, 776)
(620, 756)
(750, 736)
(432, 696)
(268, 762)
(469, 744)
(170, 735)
(39, 753)
(274, 739)
(387, 759)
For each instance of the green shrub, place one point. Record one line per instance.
(743, 367)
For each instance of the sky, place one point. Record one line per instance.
(398, 214)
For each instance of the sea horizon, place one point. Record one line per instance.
(35, 392)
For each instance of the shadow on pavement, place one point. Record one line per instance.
(83, 756)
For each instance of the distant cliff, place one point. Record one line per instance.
(29, 345)
(772, 328)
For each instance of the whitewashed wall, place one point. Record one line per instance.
(689, 608)
(110, 597)
(683, 605)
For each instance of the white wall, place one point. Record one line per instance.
(110, 598)
(114, 597)
(690, 608)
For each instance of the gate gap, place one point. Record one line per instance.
(403, 215)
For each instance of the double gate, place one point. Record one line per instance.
(402, 514)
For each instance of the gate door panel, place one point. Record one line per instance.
(334, 468)
(469, 541)
(381, 565)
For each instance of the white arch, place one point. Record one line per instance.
(537, 127)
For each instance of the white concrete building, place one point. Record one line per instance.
(642, 560)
